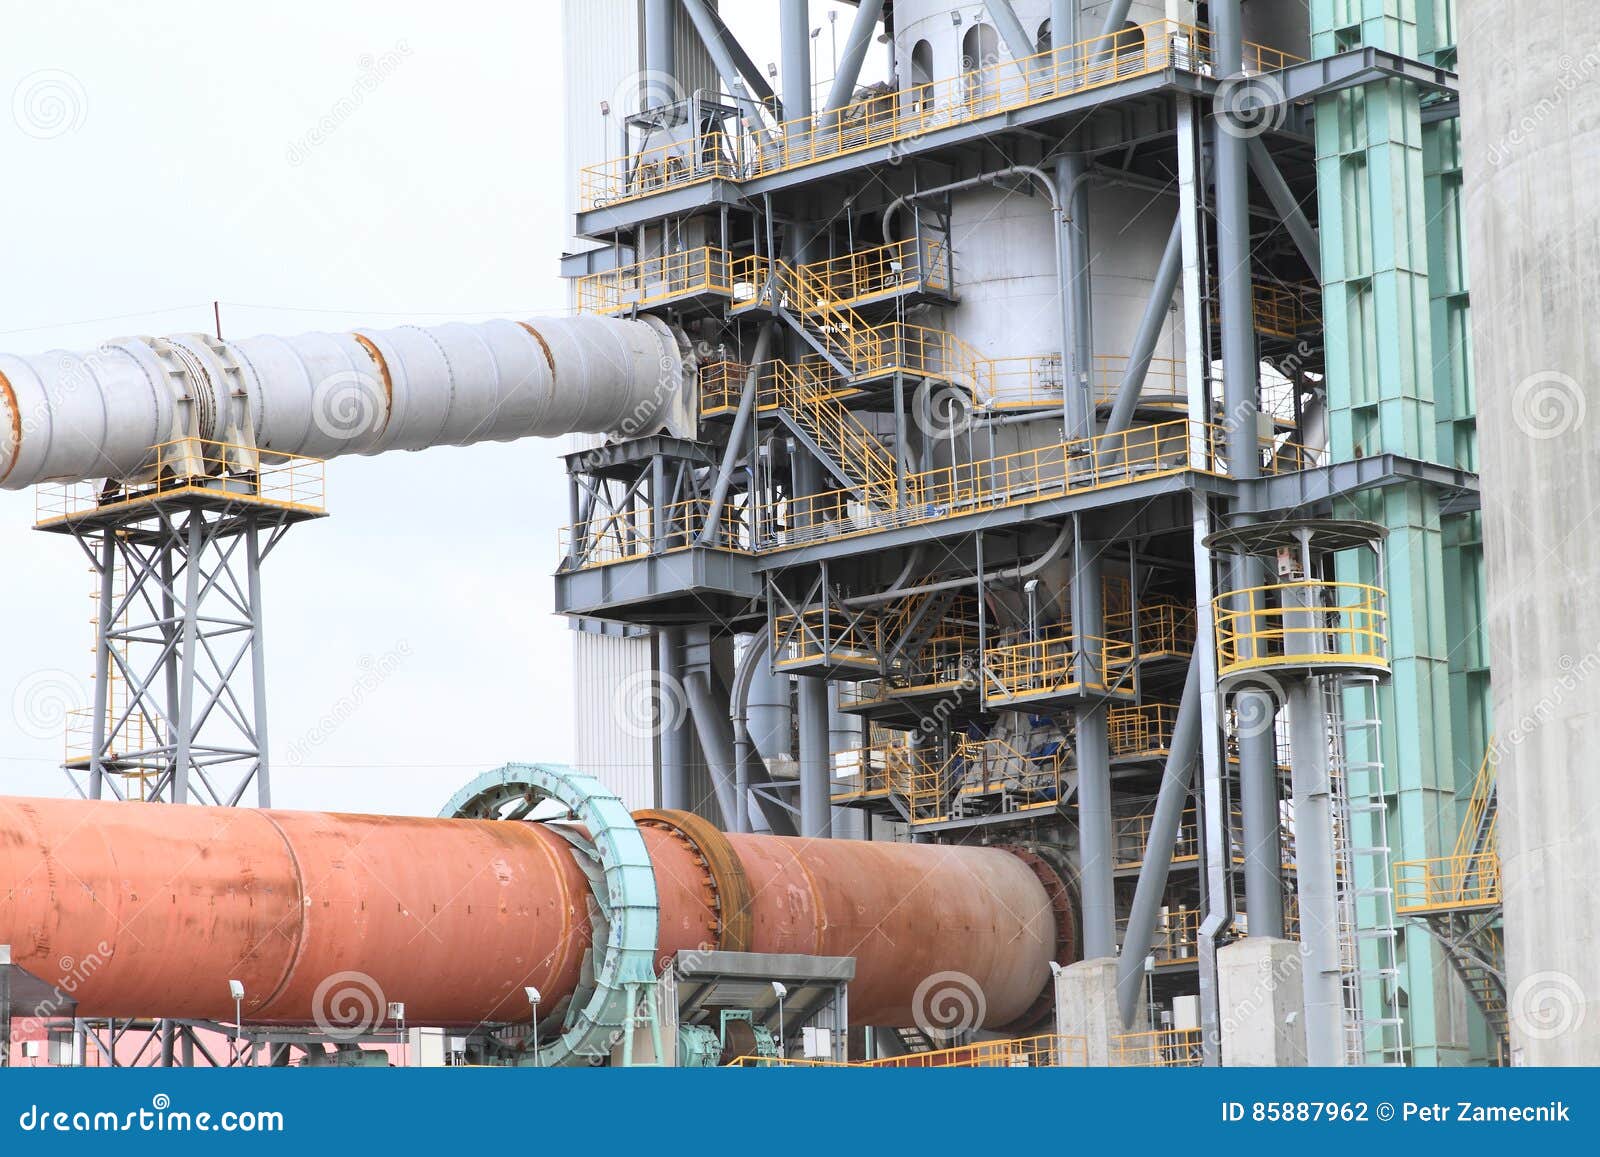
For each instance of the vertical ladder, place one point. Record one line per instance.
(1368, 930)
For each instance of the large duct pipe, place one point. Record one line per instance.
(161, 906)
(69, 417)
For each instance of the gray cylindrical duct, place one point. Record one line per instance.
(846, 731)
(770, 714)
(68, 417)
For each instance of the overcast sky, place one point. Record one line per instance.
(159, 156)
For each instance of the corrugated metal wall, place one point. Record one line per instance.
(603, 53)
(614, 743)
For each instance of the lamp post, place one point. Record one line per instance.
(533, 1000)
(780, 992)
(236, 990)
(397, 1013)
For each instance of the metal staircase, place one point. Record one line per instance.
(1457, 897)
(1368, 931)
(850, 451)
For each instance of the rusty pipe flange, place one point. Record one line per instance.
(729, 886)
(1055, 886)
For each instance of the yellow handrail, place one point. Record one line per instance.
(706, 269)
(1304, 623)
(195, 466)
(1161, 1048)
(1023, 1052)
(903, 114)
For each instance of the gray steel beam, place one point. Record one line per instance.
(673, 743)
(855, 52)
(1096, 864)
(1150, 892)
(705, 26)
(1064, 20)
(816, 762)
(1077, 338)
(1240, 371)
(1256, 713)
(736, 439)
(660, 32)
(1143, 351)
(1288, 209)
(716, 739)
(1314, 869)
(258, 663)
(794, 21)
(1011, 29)
(747, 67)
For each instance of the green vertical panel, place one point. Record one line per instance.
(1455, 395)
(1378, 170)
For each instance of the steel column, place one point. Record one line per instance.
(1314, 866)
(672, 744)
(816, 762)
(1153, 319)
(855, 51)
(1240, 371)
(1150, 892)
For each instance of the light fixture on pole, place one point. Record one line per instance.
(397, 1013)
(236, 990)
(780, 992)
(533, 1000)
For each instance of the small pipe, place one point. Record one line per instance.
(1051, 554)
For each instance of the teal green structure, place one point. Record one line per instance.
(1399, 381)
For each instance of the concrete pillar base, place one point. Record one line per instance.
(1263, 1003)
(1086, 1006)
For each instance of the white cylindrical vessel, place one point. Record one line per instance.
(67, 417)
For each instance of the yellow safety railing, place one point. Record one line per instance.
(879, 770)
(657, 279)
(1175, 939)
(1132, 837)
(1300, 624)
(991, 765)
(868, 274)
(820, 633)
(903, 114)
(1166, 627)
(1019, 668)
(722, 385)
(1143, 729)
(626, 535)
(195, 467)
(1085, 464)
(1470, 876)
(1446, 882)
(1050, 1051)
(1162, 1048)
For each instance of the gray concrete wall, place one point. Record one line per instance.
(1531, 117)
